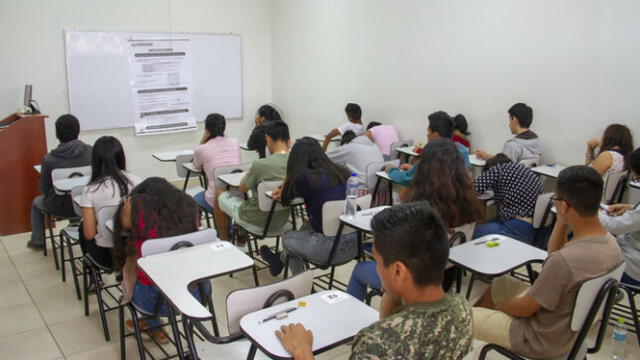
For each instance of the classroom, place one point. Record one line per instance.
(327, 150)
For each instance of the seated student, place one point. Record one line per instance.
(356, 153)
(354, 123)
(70, 153)
(623, 220)
(265, 115)
(411, 249)
(154, 209)
(109, 182)
(525, 145)
(442, 180)
(516, 189)
(315, 178)
(440, 126)
(534, 321)
(460, 131)
(615, 147)
(383, 136)
(215, 150)
(271, 168)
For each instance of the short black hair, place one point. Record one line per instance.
(414, 234)
(353, 110)
(347, 137)
(523, 113)
(499, 158)
(67, 128)
(581, 187)
(634, 161)
(216, 124)
(373, 124)
(460, 124)
(277, 131)
(441, 123)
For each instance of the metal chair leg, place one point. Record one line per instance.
(98, 289)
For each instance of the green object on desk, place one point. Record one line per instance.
(493, 243)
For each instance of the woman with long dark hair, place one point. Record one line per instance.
(154, 209)
(257, 141)
(214, 150)
(314, 177)
(442, 180)
(615, 147)
(109, 182)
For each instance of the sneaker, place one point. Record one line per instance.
(275, 264)
(34, 246)
(143, 326)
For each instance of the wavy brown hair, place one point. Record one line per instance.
(158, 210)
(442, 179)
(617, 136)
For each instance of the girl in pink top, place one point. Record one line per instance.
(214, 150)
(383, 136)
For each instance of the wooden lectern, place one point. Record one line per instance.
(22, 145)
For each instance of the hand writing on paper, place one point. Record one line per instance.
(296, 340)
(618, 209)
(482, 154)
(275, 194)
(405, 166)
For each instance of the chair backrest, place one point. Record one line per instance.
(614, 185)
(587, 296)
(65, 173)
(331, 211)
(106, 213)
(264, 202)
(373, 168)
(542, 212)
(76, 192)
(228, 169)
(156, 246)
(245, 301)
(181, 170)
(394, 154)
(530, 163)
(462, 234)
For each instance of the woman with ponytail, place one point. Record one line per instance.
(214, 150)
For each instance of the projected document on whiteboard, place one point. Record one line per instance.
(161, 85)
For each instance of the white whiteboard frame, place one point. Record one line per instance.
(199, 113)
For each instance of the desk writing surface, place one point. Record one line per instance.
(383, 174)
(510, 254)
(173, 271)
(476, 161)
(550, 170)
(189, 166)
(170, 155)
(234, 179)
(408, 150)
(320, 138)
(333, 316)
(362, 218)
(244, 146)
(635, 184)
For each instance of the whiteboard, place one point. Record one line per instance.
(98, 76)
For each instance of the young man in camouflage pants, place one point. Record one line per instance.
(411, 250)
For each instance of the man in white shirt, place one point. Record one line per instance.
(354, 115)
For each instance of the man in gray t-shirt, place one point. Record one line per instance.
(535, 321)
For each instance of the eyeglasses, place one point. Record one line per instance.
(555, 198)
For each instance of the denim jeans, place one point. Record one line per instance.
(514, 228)
(315, 247)
(364, 275)
(37, 220)
(201, 200)
(145, 299)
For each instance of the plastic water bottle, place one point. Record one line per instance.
(619, 340)
(352, 195)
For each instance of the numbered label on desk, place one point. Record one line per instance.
(333, 297)
(220, 245)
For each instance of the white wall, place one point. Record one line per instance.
(33, 31)
(577, 63)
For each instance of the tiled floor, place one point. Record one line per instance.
(42, 319)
